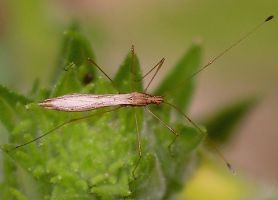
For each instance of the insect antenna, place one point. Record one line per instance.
(214, 146)
(132, 69)
(202, 69)
(215, 58)
(61, 125)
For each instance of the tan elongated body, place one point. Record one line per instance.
(86, 102)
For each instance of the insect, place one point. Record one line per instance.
(87, 102)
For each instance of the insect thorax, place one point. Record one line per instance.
(142, 99)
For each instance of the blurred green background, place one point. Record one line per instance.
(30, 34)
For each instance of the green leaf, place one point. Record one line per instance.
(129, 77)
(35, 88)
(73, 61)
(8, 104)
(221, 124)
(7, 117)
(107, 143)
(68, 82)
(151, 182)
(75, 47)
(12, 97)
(12, 193)
(177, 166)
(177, 85)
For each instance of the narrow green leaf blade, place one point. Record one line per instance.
(67, 83)
(8, 102)
(178, 164)
(180, 167)
(177, 85)
(7, 116)
(221, 124)
(75, 47)
(151, 182)
(128, 77)
(73, 70)
(12, 97)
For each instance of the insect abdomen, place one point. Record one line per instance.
(85, 102)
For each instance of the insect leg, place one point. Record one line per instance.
(138, 146)
(92, 62)
(133, 73)
(63, 124)
(187, 118)
(204, 133)
(167, 126)
(158, 65)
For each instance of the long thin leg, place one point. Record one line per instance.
(63, 124)
(187, 118)
(167, 126)
(204, 133)
(92, 62)
(132, 69)
(159, 65)
(161, 61)
(138, 146)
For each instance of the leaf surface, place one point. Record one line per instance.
(221, 124)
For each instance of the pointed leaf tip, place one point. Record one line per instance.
(126, 79)
(222, 123)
